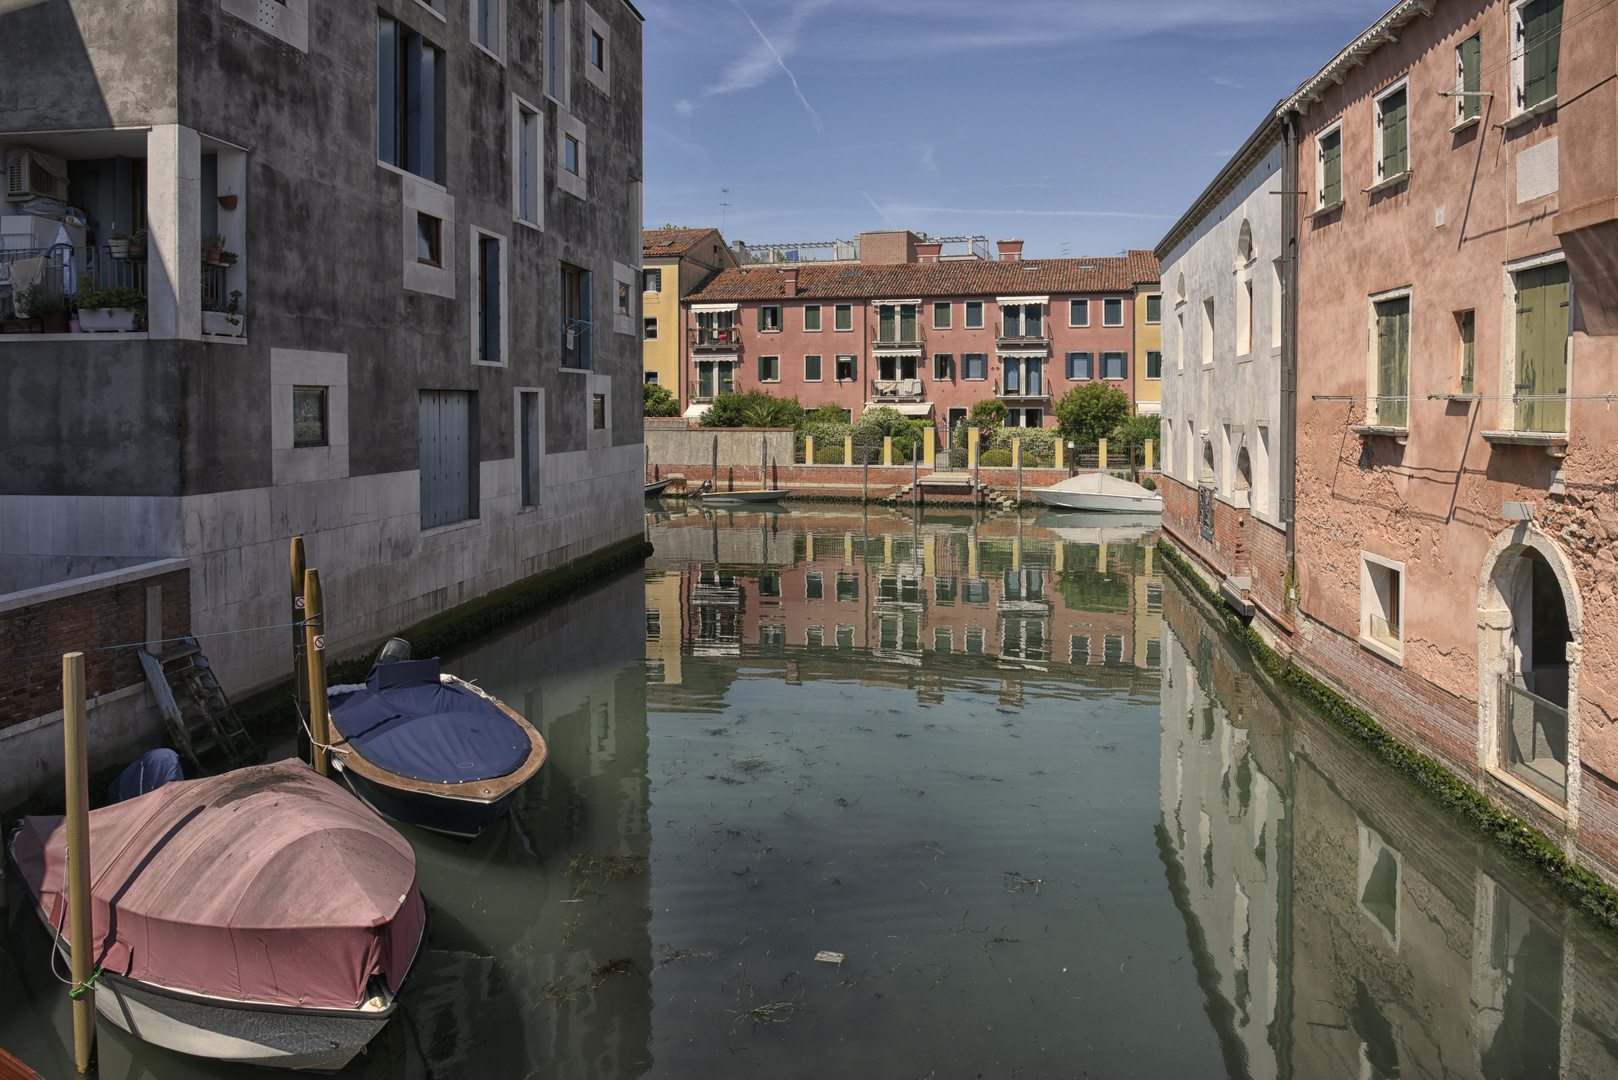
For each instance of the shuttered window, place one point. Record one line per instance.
(448, 491)
(1393, 362)
(1469, 78)
(1393, 115)
(1541, 33)
(532, 450)
(1542, 332)
(1331, 167)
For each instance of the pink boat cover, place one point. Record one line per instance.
(269, 885)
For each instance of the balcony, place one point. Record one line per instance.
(1035, 390)
(902, 338)
(1022, 333)
(714, 339)
(887, 391)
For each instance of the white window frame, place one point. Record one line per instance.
(949, 315)
(574, 183)
(1370, 593)
(497, 20)
(1373, 406)
(475, 263)
(1210, 313)
(1321, 205)
(1146, 309)
(523, 117)
(1075, 305)
(966, 315)
(820, 315)
(1244, 316)
(1401, 83)
(820, 361)
(1121, 317)
(769, 356)
(558, 77)
(598, 77)
(649, 328)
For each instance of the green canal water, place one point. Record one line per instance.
(1034, 808)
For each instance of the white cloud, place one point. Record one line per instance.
(759, 62)
(684, 108)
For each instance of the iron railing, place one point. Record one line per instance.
(726, 338)
(1020, 333)
(1533, 739)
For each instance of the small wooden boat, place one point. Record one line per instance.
(1101, 492)
(753, 495)
(12, 1069)
(426, 748)
(263, 916)
(654, 490)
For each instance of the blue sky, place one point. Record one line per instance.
(1063, 122)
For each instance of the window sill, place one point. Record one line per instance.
(1456, 397)
(111, 335)
(454, 526)
(1391, 182)
(406, 172)
(438, 14)
(1530, 113)
(1398, 434)
(1527, 791)
(1382, 649)
(577, 370)
(1554, 442)
(1329, 208)
(490, 53)
(536, 226)
(1471, 121)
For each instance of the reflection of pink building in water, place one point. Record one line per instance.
(906, 325)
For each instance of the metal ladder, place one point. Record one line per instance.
(199, 716)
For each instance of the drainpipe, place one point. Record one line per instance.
(1289, 333)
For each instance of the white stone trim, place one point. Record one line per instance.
(570, 126)
(520, 107)
(421, 196)
(1368, 592)
(600, 78)
(475, 265)
(303, 464)
(287, 21)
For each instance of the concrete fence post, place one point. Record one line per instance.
(1102, 457)
(1060, 445)
(848, 450)
(808, 449)
(887, 449)
(1148, 455)
(972, 447)
(930, 445)
(1016, 452)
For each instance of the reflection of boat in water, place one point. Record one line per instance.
(1100, 492)
(429, 749)
(264, 916)
(1089, 527)
(754, 495)
(654, 490)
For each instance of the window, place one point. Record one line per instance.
(1329, 158)
(1541, 346)
(1114, 365)
(843, 317)
(556, 50)
(814, 585)
(1261, 471)
(429, 240)
(651, 281)
(1208, 331)
(409, 100)
(943, 366)
(896, 322)
(490, 268)
(847, 368)
(848, 587)
(1392, 362)
(942, 314)
(1112, 312)
(309, 416)
(570, 154)
(1466, 332)
(652, 378)
(526, 159)
(769, 319)
(1179, 342)
(1080, 366)
(1275, 305)
(651, 329)
(1537, 55)
(623, 298)
(769, 369)
(1381, 605)
(487, 18)
(1244, 318)
(532, 444)
(1154, 365)
(598, 52)
(975, 365)
(1011, 380)
(1078, 313)
(1468, 79)
(598, 411)
(811, 318)
(577, 346)
(448, 463)
(1393, 133)
(811, 368)
(1022, 320)
(715, 375)
(974, 314)
(1154, 308)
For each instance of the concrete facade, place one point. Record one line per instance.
(175, 442)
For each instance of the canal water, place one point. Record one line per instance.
(844, 792)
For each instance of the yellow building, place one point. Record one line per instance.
(1149, 348)
(674, 262)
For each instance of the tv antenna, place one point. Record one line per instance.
(724, 204)
(1067, 249)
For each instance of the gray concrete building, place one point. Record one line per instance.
(424, 355)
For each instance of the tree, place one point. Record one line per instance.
(1091, 412)
(988, 413)
(753, 409)
(1136, 430)
(660, 401)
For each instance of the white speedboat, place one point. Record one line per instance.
(755, 495)
(1102, 492)
(1099, 527)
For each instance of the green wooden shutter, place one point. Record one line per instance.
(1542, 47)
(907, 322)
(1395, 133)
(1471, 77)
(1331, 165)
(884, 323)
(1393, 362)
(1542, 331)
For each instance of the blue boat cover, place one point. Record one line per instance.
(408, 722)
(152, 771)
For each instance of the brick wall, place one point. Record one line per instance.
(1242, 546)
(884, 479)
(83, 619)
(1598, 823)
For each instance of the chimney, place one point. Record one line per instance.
(1010, 250)
(789, 280)
(928, 251)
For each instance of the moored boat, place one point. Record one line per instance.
(1101, 492)
(654, 490)
(426, 748)
(752, 495)
(263, 916)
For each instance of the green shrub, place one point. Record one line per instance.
(1148, 483)
(1036, 442)
(660, 401)
(754, 408)
(829, 455)
(995, 459)
(1135, 431)
(118, 296)
(988, 413)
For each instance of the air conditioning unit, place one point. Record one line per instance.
(30, 175)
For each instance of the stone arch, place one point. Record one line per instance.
(1526, 586)
(1244, 244)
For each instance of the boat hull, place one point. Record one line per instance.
(654, 490)
(462, 819)
(1099, 503)
(745, 496)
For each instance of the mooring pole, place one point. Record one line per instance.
(315, 646)
(915, 476)
(300, 670)
(716, 463)
(865, 474)
(763, 461)
(76, 769)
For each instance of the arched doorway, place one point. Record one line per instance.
(1530, 630)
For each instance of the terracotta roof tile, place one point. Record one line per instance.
(976, 278)
(672, 242)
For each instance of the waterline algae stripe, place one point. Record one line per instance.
(1580, 887)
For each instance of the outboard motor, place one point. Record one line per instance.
(395, 650)
(152, 771)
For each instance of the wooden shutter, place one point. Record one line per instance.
(1543, 301)
(1471, 61)
(1331, 167)
(1395, 133)
(1393, 362)
(907, 322)
(1542, 41)
(884, 324)
(446, 457)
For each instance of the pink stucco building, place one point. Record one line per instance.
(904, 326)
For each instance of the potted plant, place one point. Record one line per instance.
(50, 308)
(103, 310)
(223, 321)
(118, 245)
(213, 246)
(137, 244)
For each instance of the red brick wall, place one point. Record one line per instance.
(1242, 545)
(884, 479)
(112, 615)
(1598, 823)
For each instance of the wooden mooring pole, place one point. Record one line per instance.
(300, 670)
(315, 646)
(77, 771)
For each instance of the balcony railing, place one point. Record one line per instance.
(897, 390)
(715, 338)
(1021, 333)
(897, 338)
(1533, 739)
(1035, 391)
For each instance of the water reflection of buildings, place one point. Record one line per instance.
(1340, 925)
(874, 596)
